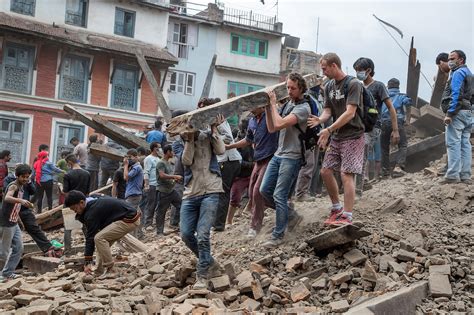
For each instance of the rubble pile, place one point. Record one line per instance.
(418, 253)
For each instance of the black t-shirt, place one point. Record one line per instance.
(77, 179)
(10, 211)
(121, 183)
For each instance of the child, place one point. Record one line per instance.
(10, 232)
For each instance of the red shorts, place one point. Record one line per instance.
(346, 156)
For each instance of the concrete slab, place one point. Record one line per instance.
(400, 302)
(338, 236)
(430, 123)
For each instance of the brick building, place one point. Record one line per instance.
(81, 53)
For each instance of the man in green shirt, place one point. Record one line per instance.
(167, 194)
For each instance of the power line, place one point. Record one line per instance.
(403, 49)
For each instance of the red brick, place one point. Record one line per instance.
(100, 80)
(46, 71)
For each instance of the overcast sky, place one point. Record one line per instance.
(349, 29)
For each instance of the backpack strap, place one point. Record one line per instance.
(347, 80)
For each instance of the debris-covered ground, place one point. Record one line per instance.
(421, 233)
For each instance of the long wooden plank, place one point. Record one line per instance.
(338, 236)
(413, 77)
(440, 83)
(106, 151)
(424, 145)
(119, 135)
(201, 118)
(77, 115)
(155, 87)
(210, 74)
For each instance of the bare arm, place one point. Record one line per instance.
(237, 145)
(346, 117)
(125, 168)
(314, 121)
(163, 175)
(393, 117)
(10, 199)
(114, 189)
(276, 121)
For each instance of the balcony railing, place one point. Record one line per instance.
(249, 18)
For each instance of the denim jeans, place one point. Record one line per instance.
(197, 216)
(279, 177)
(458, 145)
(10, 240)
(402, 146)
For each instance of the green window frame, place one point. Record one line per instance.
(248, 46)
(240, 88)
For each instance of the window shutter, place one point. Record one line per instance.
(193, 30)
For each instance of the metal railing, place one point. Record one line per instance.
(249, 18)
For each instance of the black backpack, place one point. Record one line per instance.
(370, 113)
(309, 138)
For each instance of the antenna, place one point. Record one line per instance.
(317, 36)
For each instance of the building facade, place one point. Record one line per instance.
(76, 52)
(247, 48)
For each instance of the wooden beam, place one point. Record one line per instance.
(440, 83)
(106, 151)
(116, 133)
(202, 117)
(413, 77)
(155, 87)
(210, 73)
(77, 115)
(336, 237)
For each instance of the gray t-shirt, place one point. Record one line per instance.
(289, 143)
(164, 185)
(379, 92)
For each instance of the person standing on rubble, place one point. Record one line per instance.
(442, 63)
(133, 175)
(285, 164)
(106, 220)
(202, 186)
(80, 151)
(402, 103)
(365, 69)
(456, 103)
(346, 147)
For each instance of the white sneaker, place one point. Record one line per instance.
(252, 233)
(200, 284)
(273, 242)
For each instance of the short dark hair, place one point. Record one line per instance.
(73, 139)
(64, 154)
(158, 124)
(4, 154)
(71, 158)
(22, 169)
(73, 198)
(441, 57)
(167, 148)
(141, 150)
(332, 58)
(43, 147)
(178, 112)
(93, 138)
(365, 63)
(132, 152)
(206, 101)
(154, 145)
(298, 78)
(460, 54)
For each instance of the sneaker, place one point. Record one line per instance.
(446, 180)
(109, 273)
(200, 284)
(2, 279)
(273, 242)
(398, 172)
(149, 228)
(335, 213)
(294, 221)
(251, 233)
(57, 244)
(343, 219)
(466, 181)
(305, 198)
(12, 276)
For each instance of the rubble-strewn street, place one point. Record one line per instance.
(419, 252)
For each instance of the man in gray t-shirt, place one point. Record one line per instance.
(283, 168)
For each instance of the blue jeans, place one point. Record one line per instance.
(276, 186)
(197, 216)
(10, 239)
(458, 145)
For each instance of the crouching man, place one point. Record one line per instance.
(107, 220)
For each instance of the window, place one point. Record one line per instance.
(26, 7)
(13, 134)
(124, 22)
(16, 72)
(180, 38)
(125, 87)
(182, 82)
(248, 46)
(74, 78)
(76, 12)
(242, 88)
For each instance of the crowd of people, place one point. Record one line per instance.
(202, 176)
